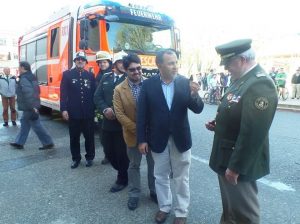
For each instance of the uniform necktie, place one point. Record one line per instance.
(117, 78)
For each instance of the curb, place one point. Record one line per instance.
(289, 107)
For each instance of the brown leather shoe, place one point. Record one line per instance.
(161, 217)
(180, 220)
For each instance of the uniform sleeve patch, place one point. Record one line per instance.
(261, 103)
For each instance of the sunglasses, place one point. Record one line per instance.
(139, 68)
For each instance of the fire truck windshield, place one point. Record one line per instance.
(140, 39)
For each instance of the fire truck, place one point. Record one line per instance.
(99, 25)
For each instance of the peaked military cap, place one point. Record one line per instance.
(232, 49)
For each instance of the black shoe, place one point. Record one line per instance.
(5, 124)
(75, 164)
(105, 161)
(117, 187)
(50, 146)
(132, 203)
(89, 163)
(16, 146)
(14, 123)
(153, 197)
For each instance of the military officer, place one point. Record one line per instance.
(240, 152)
(112, 137)
(76, 104)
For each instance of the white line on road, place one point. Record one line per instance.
(273, 184)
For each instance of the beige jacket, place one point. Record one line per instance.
(125, 110)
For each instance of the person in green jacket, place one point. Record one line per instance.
(240, 152)
(280, 79)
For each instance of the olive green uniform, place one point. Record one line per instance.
(241, 141)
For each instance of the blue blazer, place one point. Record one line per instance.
(156, 123)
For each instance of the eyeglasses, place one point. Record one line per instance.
(139, 68)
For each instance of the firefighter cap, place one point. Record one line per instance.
(119, 56)
(103, 55)
(82, 55)
(233, 48)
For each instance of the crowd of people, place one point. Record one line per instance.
(279, 77)
(150, 117)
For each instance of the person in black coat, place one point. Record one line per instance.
(112, 137)
(103, 59)
(76, 104)
(28, 99)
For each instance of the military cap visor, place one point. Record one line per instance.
(233, 48)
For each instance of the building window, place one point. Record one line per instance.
(2, 42)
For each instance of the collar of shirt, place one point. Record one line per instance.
(115, 76)
(131, 84)
(249, 70)
(164, 83)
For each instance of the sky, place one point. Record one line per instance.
(199, 21)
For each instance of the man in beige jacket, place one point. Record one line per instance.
(124, 101)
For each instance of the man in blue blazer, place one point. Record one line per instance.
(163, 127)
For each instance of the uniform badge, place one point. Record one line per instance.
(235, 99)
(229, 96)
(258, 75)
(261, 103)
(87, 83)
(74, 81)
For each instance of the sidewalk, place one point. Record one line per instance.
(289, 104)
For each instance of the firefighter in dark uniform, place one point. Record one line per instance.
(104, 61)
(240, 152)
(77, 106)
(112, 137)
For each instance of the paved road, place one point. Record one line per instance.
(39, 186)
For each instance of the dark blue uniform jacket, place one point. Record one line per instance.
(76, 94)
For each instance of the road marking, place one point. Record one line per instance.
(273, 184)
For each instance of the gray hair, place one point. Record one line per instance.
(249, 55)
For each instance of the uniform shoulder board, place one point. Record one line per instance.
(258, 75)
(107, 73)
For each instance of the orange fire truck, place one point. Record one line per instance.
(100, 25)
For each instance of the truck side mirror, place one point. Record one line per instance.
(84, 31)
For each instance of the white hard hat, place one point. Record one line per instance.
(119, 56)
(103, 55)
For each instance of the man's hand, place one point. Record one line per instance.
(211, 125)
(143, 148)
(65, 115)
(231, 176)
(109, 114)
(194, 87)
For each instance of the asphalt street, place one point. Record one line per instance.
(39, 186)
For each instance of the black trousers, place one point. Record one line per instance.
(86, 127)
(115, 149)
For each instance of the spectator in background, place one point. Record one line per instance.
(28, 99)
(280, 79)
(296, 84)
(223, 82)
(204, 82)
(273, 73)
(8, 92)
